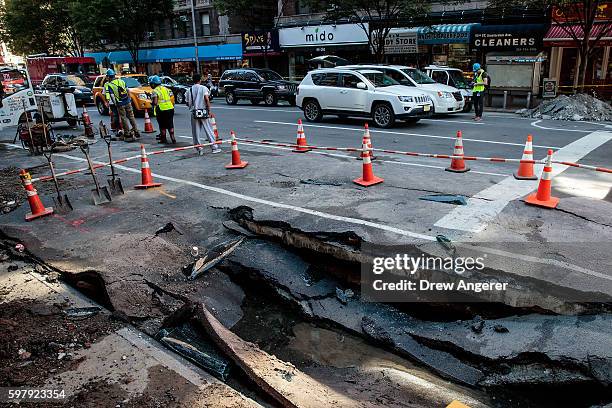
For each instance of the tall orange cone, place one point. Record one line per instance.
(543, 198)
(213, 123)
(458, 165)
(148, 126)
(145, 170)
(525, 170)
(37, 207)
(301, 139)
(236, 162)
(368, 178)
(86, 118)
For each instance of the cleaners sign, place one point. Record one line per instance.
(330, 34)
(522, 37)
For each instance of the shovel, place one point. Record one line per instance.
(114, 182)
(62, 203)
(100, 195)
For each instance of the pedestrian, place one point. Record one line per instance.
(479, 85)
(163, 109)
(199, 105)
(117, 89)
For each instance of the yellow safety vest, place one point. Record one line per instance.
(479, 85)
(163, 98)
(113, 86)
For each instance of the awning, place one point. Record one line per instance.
(445, 33)
(205, 53)
(561, 33)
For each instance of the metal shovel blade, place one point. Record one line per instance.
(62, 204)
(101, 196)
(115, 186)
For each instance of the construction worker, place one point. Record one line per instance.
(110, 104)
(478, 89)
(163, 109)
(116, 90)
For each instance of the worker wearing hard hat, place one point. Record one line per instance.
(116, 90)
(479, 85)
(163, 108)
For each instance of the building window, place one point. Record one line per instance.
(205, 23)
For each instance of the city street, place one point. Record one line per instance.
(290, 206)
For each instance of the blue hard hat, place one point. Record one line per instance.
(155, 80)
(476, 67)
(110, 73)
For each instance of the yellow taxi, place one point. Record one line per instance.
(138, 89)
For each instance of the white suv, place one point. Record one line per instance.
(452, 77)
(367, 93)
(446, 99)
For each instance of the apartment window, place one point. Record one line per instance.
(205, 23)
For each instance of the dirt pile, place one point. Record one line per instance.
(11, 192)
(573, 107)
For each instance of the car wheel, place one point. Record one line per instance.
(270, 99)
(383, 115)
(255, 101)
(230, 98)
(180, 98)
(102, 110)
(312, 111)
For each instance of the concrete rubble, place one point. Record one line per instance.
(574, 107)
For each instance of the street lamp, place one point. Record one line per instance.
(195, 37)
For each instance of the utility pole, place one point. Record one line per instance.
(195, 37)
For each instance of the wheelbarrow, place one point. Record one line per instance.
(114, 182)
(100, 194)
(62, 204)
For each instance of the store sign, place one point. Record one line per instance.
(574, 13)
(550, 88)
(401, 41)
(259, 43)
(315, 36)
(526, 37)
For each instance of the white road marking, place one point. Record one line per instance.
(535, 124)
(455, 121)
(358, 221)
(405, 134)
(475, 216)
(344, 156)
(256, 109)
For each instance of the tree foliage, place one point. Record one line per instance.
(375, 17)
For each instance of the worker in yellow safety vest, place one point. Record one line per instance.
(163, 109)
(118, 100)
(479, 86)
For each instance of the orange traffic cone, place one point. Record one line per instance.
(458, 165)
(236, 162)
(148, 128)
(543, 196)
(525, 170)
(86, 118)
(368, 178)
(145, 170)
(301, 139)
(213, 123)
(368, 139)
(37, 207)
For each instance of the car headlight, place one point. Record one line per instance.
(445, 94)
(281, 87)
(142, 96)
(406, 98)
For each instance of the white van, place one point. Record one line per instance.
(446, 99)
(452, 77)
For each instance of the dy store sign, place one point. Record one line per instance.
(522, 37)
(401, 41)
(315, 36)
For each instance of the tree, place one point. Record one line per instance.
(375, 17)
(577, 19)
(125, 23)
(39, 26)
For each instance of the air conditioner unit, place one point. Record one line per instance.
(183, 19)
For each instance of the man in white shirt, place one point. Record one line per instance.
(197, 98)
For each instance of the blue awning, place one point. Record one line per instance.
(445, 33)
(99, 56)
(205, 53)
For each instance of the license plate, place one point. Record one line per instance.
(426, 108)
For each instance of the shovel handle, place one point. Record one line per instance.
(85, 149)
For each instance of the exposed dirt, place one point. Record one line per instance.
(11, 192)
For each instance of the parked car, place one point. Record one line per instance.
(452, 77)
(138, 89)
(177, 88)
(365, 93)
(68, 83)
(446, 99)
(256, 85)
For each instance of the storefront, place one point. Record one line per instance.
(300, 44)
(262, 50)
